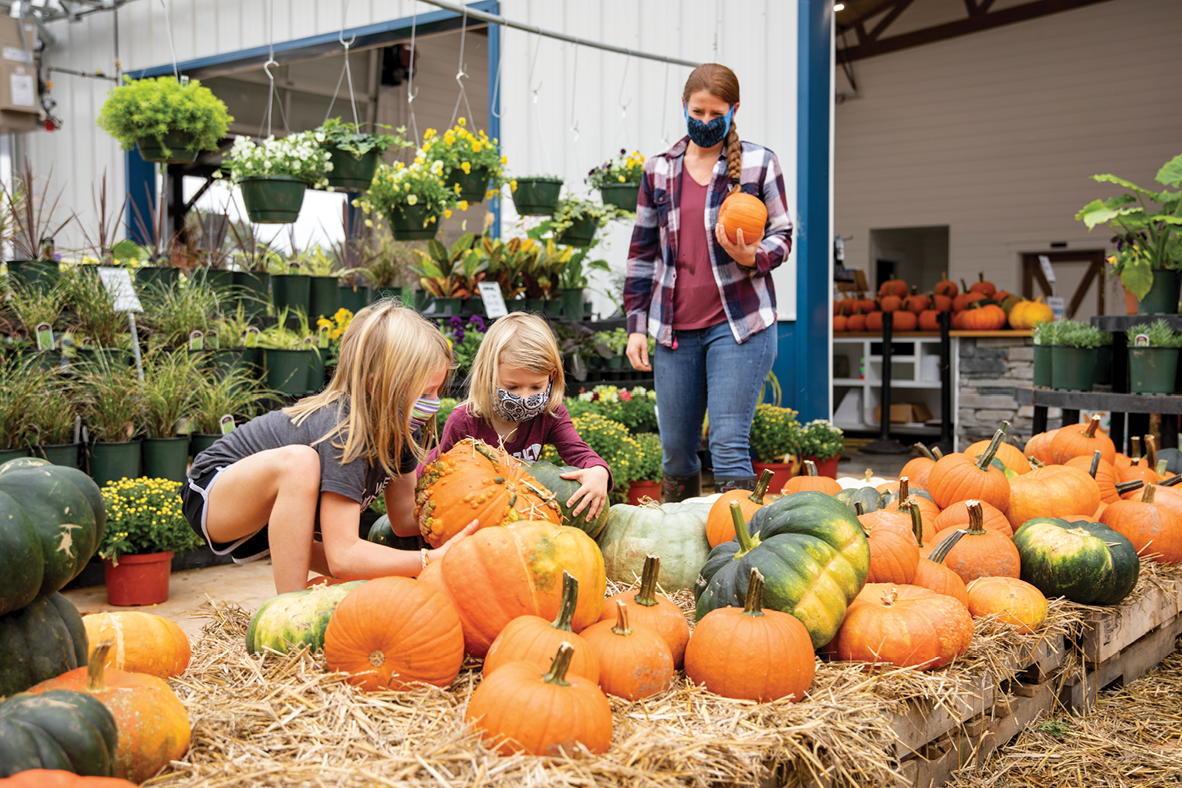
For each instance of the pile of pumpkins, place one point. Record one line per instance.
(979, 307)
(82, 695)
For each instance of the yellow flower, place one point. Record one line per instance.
(323, 323)
(412, 199)
(447, 213)
(461, 122)
(428, 134)
(504, 160)
(512, 186)
(457, 188)
(463, 205)
(466, 167)
(623, 179)
(369, 222)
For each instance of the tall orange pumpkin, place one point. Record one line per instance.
(1100, 470)
(143, 642)
(635, 661)
(1072, 441)
(1153, 530)
(153, 724)
(1050, 492)
(958, 477)
(476, 481)
(742, 211)
(646, 606)
(976, 552)
(894, 552)
(719, 526)
(809, 480)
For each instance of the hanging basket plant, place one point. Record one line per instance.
(273, 176)
(577, 220)
(472, 163)
(537, 195)
(171, 121)
(355, 154)
(618, 180)
(412, 199)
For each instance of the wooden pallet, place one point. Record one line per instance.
(1107, 634)
(1135, 660)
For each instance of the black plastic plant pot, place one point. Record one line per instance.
(156, 277)
(1152, 369)
(12, 454)
(537, 196)
(1103, 372)
(178, 142)
(220, 280)
(111, 461)
(324, 296)
(253, 289)
(64, 454)
(1162, 298)
(1072, 368)
(166, 458)
(580, 233)
(287, 371)
(35, 273)
(350, 173)
(200, 441)
(554, 307)
(291, 291)
(474, 306)
(412, 223)
(353, 298)
(225, 360)
(622, 195)
(316, 379)
(473, 186)
(572, 303)
(1042, 365)
(448, 307)
(276, 199)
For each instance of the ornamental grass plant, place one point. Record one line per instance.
(32, 305)
(94, 314)
(170, 380)
(144, 516)
(170, 313)
(774, 433)
(237, 393)
(112, 400)
(18, 397)
(52, 413)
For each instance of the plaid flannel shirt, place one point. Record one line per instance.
(748, 296)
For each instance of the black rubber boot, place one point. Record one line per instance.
(678, 488)
(738, 483)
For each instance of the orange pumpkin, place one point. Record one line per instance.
(153, 724)
(520, 709)
(635, 661)
(1073, 441)
(963, 301)
(982, 286)
(916, 302)
(1009, 600)
(892, 286)
(957, 516)
(751, 653)
(1039, 446)
(1153, 530)
(1169, 498)
(932, 575)
(475, 481)
(719, 525)
(958, 477)
(857, 322)
(929, 320)
(655, 611)
(840, 323)
(958, 320)
(58, 778)
(874, 321)
(1137, 471)
(894, 553)
(742, 211)
(1049, 492)
(917, 468)
(941, 303)
(905, 321)
(809, 480)
(907, 626)
(976, 552)
(392, 632)
(534, 639)
(989, 317)
(1025, 315)
(890, 303)
(945, 287)
(867, 305)
(927, 508)
(143, 642)
(1100, 470)
(1010, 455)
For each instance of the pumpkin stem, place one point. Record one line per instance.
(1170, 482)
(916, 522)
(1135, 462)
(621, 627)
(869, 474)
(939, 455)
(570, 600)
(765, 479)
(1093, 425)
(924, 450)
(96, 667)
(561, 663)
(942, 550)
(964, 288)
(986, 458)
(753, 603)
(1150, 449)
(746, 543)
(858, 508)
(1147, 496)
(1136, 445)
(647, 595)
(1129, 486)
(1036, 463)
(904, 489)
(976, 517)
(1095, 463)
(1161, 467)
(810, 468)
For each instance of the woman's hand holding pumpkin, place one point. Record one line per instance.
(741, 252)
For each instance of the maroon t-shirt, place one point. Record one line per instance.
(527, 442)
(696, 300)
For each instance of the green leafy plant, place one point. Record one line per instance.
(314, 261)
(18, 396)
(349, 138)
(774, 433)
(398, 187)
(625, 168)
(651, 456)
(144, 516)
(820, 439)
(611, 441)
(615, 340)
(51, 413)
(298, 155)
(390, 260)
(150, 108)
(112, 400)
(280, 337)
(459, 150)
(446, 406)
(508, 261)
(1145, 220)
(576, 209)
(236, 393)
(1047, 333)
(170, 313)
(574, 274)
(454, 272)
(1159, 333)
(635, 408)
(170, 380)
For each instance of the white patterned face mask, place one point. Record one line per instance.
(513, 408)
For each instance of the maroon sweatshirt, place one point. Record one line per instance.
(529, 440)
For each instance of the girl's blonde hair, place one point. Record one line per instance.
(388, 356)
(517, 340)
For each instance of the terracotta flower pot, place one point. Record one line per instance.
(826, 467)
(638, 491)
(138, 579)
(781, 473)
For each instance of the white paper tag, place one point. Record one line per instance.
(494, 302)
(18, 54)
(1058, 305)
(118, 284)
(44, 336)
(1141, 340)
(226, 423)
(24, 90)
(196, 340)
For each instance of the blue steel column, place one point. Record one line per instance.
(494, 106)
(141, 192)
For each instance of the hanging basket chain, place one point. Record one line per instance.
(461, 73)
(411, 93)
(346, 72)
(537, 118)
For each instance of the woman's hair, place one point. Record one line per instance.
(388, 356)
(720, 82)
(518, 340)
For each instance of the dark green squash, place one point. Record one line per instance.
(52, 519)
(550, 475)
(40, 641)
(870, 498)
(381, 532)
(59, 729)
(1088, 563)
(292, 620)
(813, 556)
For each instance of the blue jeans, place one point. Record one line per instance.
(709, 371)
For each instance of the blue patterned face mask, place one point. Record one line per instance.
(707, 135)
(422, 411)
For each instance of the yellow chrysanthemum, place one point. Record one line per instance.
(463, 205)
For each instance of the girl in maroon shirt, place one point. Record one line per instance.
(515, 401)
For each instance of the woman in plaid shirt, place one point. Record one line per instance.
(710, 303)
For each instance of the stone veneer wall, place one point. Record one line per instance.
(990, 368)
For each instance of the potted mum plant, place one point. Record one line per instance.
(577, 220)
(274, 176)
(822, 443)
(169, 120)
(618, 180)
(169, 382)
(354, 153)
(1153, 357)
(472, 163)
(1148, 222)
(145, 528)
(647, 477)
(774, 436)
(412, 198)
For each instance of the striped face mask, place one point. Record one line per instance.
(422, 411)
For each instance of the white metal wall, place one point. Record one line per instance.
(996, 134)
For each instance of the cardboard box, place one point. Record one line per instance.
(20, 104)
(905, 413)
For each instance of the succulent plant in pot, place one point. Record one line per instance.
(170, 120)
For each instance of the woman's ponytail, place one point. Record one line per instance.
(734, 158)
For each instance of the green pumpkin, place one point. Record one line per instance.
(674, 532)
(58, 729)
(381, 532)
(52, 519)
(1173, 458)
(812, 554)
(1088, 563)
(870, 498)
(40, 641)
(550, 475)
(289, 621)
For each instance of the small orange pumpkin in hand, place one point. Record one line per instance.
(745, 212)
